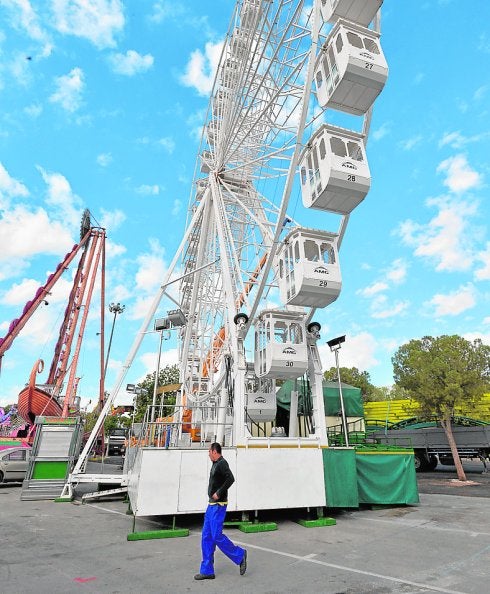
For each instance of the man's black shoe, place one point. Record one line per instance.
(204, 576)
(243, 564)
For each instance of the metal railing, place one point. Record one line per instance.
(171, 426)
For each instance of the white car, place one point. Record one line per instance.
(13, 464)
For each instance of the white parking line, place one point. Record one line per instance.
(309, 559)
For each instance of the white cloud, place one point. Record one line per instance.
(164, 9)
(357, 351)
(148, 190)
(457, 141)
(486, 320)
(24, 233)
(373, 289)
(201, 68)
(20, 293)
(114, 250)
(10, 187)
(195, 122)
(472, 336)
(151, 268)
(410, 143)
(25, 18)
(96, 20)
(112, 219)
(460, 176)
(484, 257)
(445, 238)
(398, 271)
(391, 312)
(177, 207)
(454, 303)
(61, 196)
(69, 90)
(104, 159)
(382, 131)
(130, 63)
(167, 143)
(34, 110)
(149, 360)
(120, 293)
(480, 93)
(140, 308)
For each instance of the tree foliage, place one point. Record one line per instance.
(440, 373)
(353, 377)
(167, 375)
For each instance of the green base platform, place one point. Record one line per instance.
(152, 534)
(317, 523)
(258, 527)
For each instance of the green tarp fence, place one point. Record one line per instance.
(340, 474)
(353, 477)
(352, 398)
(387, 478)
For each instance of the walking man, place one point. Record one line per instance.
(220, 480)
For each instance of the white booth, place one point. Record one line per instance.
(334, 170)
(280, 344)
(261, 397)
(308, 268)
(350, 70)
(358, 11)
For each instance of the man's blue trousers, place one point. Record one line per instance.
(212, 537)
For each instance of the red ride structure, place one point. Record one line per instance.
(47, 399)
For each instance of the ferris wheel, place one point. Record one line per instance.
(282, 66)
(251, 278)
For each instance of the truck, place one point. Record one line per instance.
(430, 444)
(116, 442)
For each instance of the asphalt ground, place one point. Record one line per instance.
(441, 545)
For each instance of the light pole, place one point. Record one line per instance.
(335, 344)
(115, 308)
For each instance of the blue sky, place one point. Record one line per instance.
(102, 102)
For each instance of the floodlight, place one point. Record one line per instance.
(336, 342)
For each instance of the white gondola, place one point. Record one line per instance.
(280, 345)
(351, 70)
(334, 170)
(308, 267)
(249, 14)
(357, 11)
(206, 161)
(239, 43)
(201, 186)
(261, 397)
(230, 73)
(220, 101)
(212, 131)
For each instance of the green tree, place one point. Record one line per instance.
(353, 377)
(166, 376)
(440, 373)
(393, 392)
